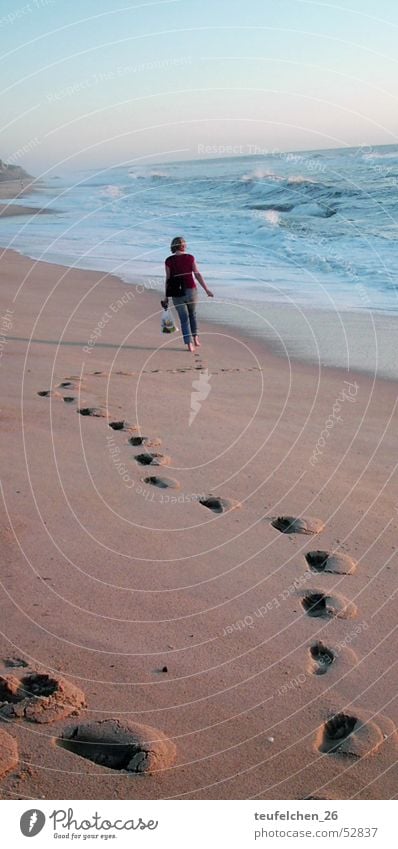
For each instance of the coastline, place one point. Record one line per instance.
(356, 341)
(9, 210)
(106, 579)
(19, 188)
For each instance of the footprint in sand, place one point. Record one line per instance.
(322, 658)
(294, 525)
(354, 734)
(91, 411)
(151, 442)
(122, 746)
(219, 505)
(38, 697)
(8, 753)
(318, 604)
(66, 384)
(150, 459)
(162, 483)
(330, 561)
(15, 662)
(121, 425)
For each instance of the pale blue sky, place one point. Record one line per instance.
(96, 82)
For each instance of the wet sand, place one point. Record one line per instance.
(8, 210)
(18, 188)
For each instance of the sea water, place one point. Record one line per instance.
(309, 233)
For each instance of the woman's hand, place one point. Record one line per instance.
(209, 293)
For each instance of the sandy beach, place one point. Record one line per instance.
(11, 189)
(18, 188)
(210, 627)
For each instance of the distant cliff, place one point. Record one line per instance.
(12, 172)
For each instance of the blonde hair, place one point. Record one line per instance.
(177, 244)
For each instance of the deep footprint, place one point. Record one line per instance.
(38, 697)
(91, 411)
(219, 505)
(294, 525)
(318, 604)
(315, 604)
(352, 734)
(143, 440)
(162, 483)
(117, 425)
(44, 393)
(329, 561)
(15, 662)
(322, 657)
(122, 746)
(149, 459)
(69, 399)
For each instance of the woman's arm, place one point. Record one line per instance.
(166, 281)
(198, 276)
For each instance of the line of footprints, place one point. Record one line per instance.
(42, 697)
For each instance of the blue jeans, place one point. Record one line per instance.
(186, 309)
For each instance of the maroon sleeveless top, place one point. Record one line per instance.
(182, 264)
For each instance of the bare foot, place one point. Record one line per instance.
(196, 341)
(190, 347)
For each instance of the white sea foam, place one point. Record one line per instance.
(238, 215)
(259, 174)
(112, 191)
(299, 179)
(272, 216)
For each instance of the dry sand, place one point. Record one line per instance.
(107, 581)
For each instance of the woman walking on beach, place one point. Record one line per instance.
(181, 273)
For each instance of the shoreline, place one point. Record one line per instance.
(108, 580)
(9, 210)
(312, 336)
(19, 187)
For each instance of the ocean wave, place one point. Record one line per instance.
(369, 155)
(273, 217)
(300, 180)
(314, 210)
(112, 192)
(259, 174)
(148, 175)
(278, 207)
